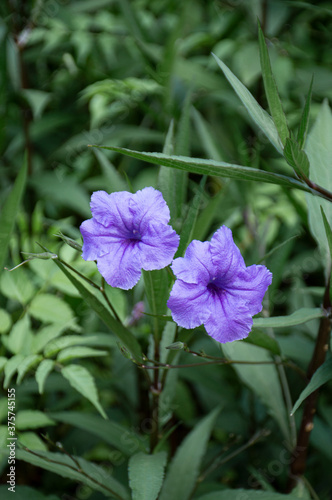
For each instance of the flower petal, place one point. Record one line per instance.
(97, 239)
(228, 319)
(121, 267)
(158, 246)
(196, 265)
(188, 303)
(112, 210)
(251, 284)
(148, 205)
(225, 254)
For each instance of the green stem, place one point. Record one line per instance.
(94, 285)
(155, 394)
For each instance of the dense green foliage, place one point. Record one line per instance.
(138, 76)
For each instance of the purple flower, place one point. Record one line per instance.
(215, 288)
(128, 232)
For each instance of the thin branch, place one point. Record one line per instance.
(217, 361)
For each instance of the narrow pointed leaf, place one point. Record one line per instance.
(83, 472)
(319, 151)
(143, 466)
(328, 232)
(124, 335)
(263, 340)
(304, 123)
(212, 167)
(32, 419)
(42, 372)
(182, 147)
(257, 113)
(120, 437)
(11, 367)
(297, 318)
(78, 352)
(29, 362)
(156, 289)
(328, 229)
(190, 222)
(271, 90)
(296, 158)
(320, 377)
(166, 175)
(263, 380)
(184, 469)
(81, 380)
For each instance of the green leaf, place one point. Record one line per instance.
(33, 441)
(212, 167)
(46, 335)
(5, 321)
(114, 180)
(143, 466)
(62, 190)
(124, 335)
(190, 222)
(9, 212)
(69, 241)
(32, 419)
(78, 352)
(207, 215)
(296, 318)
(50, 309)
(42, 372)
(79, 470)
(297, 158)
(205, 136)
(263, 380)
(246, 495)
(3, 361)
(11, 367)
(328, 232)
(319, 151)
(257, 113)
(271, 90)
(182, 147)
(304, 123)
(120, 437)
(18, 340)
(24, 493)
(17, 285)
(184, 469)
(81, 380)
(58, 344)
(261, 339)
(156, 289)
(320, 377)
(37, 99)
(29, 362)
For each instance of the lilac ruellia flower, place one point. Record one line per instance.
(215, 288)
(127, 233)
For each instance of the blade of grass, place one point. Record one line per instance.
(271, 90)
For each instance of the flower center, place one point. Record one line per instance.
(213, 287)
(134, 236)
